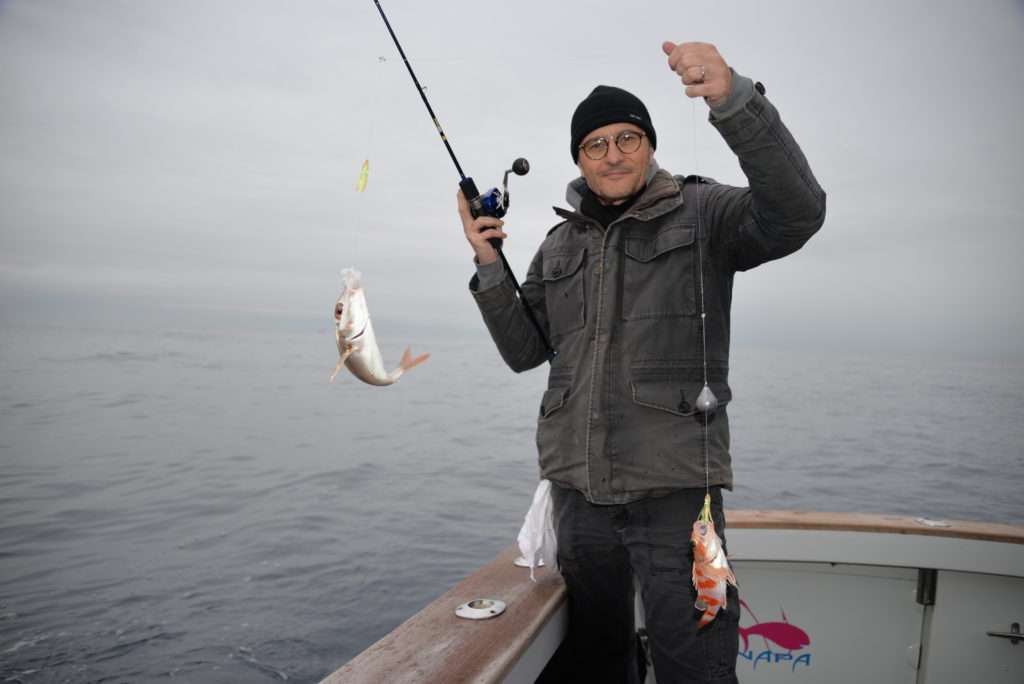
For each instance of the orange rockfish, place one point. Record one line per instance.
(357, 345)
(710, 567)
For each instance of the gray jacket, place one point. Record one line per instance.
(622, 307)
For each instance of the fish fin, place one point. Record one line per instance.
(716, 574)
(409, 362)
(341, 362)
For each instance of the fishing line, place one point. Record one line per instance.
(494, 202)
(706, 400)
(420, 89)
(364, 171)
(708, 604)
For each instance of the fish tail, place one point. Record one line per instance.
(409, 362)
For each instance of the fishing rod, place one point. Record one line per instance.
(494, 202)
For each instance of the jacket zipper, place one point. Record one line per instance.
(597, 335)
(593, 369)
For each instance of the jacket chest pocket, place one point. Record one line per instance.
(564, 291)
(660, 274)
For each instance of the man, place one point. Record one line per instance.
(633, 289)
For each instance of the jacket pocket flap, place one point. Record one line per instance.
(558, 266)
(553, 400)
(671, 237)
(676, 396)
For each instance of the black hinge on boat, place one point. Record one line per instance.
(1013, 635)
(926, 579)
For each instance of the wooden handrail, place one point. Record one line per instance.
(871, 522)
(436, 646)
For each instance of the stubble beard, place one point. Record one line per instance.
(618, 197)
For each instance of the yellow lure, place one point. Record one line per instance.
(364, 175)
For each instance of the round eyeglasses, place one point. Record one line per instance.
(628, 142)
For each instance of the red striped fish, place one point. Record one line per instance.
(710, 567)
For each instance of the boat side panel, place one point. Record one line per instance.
(815, 622)
(957, 648)
(544, 645)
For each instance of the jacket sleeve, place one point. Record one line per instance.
(515, 336)
(783, 205)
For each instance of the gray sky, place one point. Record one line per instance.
(197, 155)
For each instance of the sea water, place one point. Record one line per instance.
(204, 505)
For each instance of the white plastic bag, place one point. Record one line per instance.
(537, 537)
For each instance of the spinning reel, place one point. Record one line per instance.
(494, 202)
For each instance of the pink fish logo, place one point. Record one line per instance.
(784, 634)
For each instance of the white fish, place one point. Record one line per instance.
(357, 345)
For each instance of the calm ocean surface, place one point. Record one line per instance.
(205, 506)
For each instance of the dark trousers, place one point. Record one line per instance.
(602, 550)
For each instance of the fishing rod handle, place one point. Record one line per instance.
(482, 205)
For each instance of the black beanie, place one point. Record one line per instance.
(607, 105)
